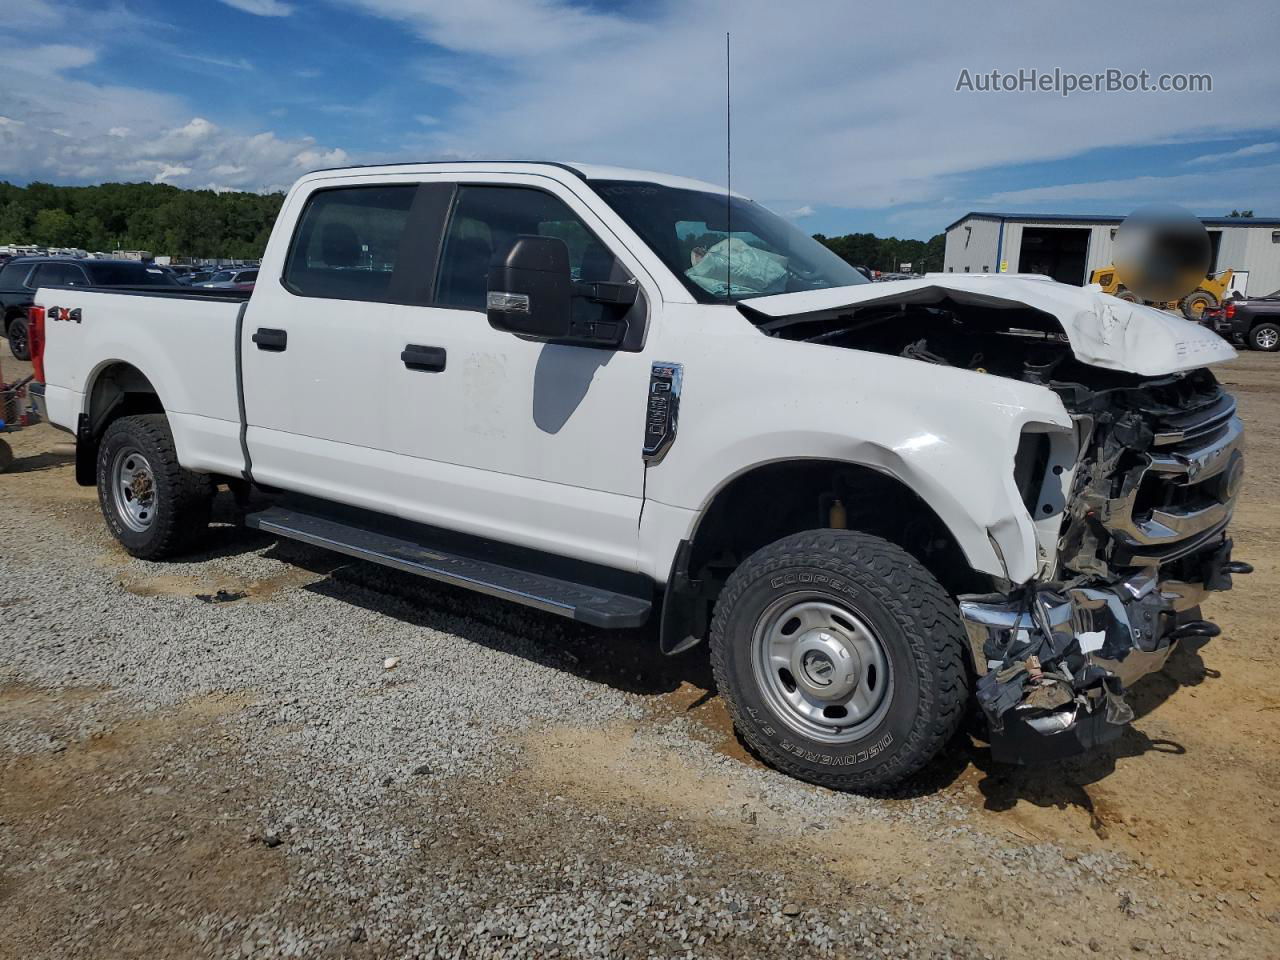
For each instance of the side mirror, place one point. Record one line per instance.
(532, 294)
(530, 289)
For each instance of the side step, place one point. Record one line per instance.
(597, 606)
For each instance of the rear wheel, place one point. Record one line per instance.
(1196, 303)
(1128, 296)
(1265, 336)
(19, 338)
(153, 506)
(840, 659)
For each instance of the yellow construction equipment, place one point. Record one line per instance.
(1211, 291)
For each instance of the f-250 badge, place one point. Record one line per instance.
(662, 409)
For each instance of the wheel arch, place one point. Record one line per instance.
(817, 493)
(114, 389)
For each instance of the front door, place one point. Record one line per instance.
(525, 442)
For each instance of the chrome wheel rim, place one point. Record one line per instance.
(821, 668)
(134, 489)
(1268, 338)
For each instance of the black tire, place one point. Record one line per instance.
(178, 501)
(919, 629)
(1265, 336)
(1196, 303)
(1128, 296)
(19, 338)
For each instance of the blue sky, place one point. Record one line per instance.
(846, 115)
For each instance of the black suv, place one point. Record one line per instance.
(19, 279)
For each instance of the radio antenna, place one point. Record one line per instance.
(728, 172)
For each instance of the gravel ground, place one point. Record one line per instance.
(211, 757)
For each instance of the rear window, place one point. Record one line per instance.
(347, 242)
(128, 275)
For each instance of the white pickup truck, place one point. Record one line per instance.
(619, 395)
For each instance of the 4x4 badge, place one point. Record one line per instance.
(662, 410)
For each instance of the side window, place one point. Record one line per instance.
(487, 219)
(14, 275)
(57, 275)
(347, 242)
(68, 274)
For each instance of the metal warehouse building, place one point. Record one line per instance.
(1069, 248)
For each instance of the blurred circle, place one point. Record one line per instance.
(1162, 252)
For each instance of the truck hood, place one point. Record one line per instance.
(1103, 330)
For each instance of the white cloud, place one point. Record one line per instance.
(54, 57)
(67, 129)
(1253, 150)
(230, 63)
(262, 8)
(427, 120)
(170, 172)
(520, 28)
(1205, 192)
(801, 212)
(555, 79)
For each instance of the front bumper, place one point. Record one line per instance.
(1055, 660)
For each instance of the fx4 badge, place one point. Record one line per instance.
(662, 409)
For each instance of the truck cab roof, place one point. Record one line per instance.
(555, 168)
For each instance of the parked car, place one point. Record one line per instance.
(229, 278)
(1252, 321)
(20, 277)
(877, 503)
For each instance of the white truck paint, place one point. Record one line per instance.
(537, 444)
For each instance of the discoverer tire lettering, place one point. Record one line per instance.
(916, 621)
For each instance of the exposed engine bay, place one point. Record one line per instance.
(1145, 492)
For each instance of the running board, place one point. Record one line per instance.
(592, 605)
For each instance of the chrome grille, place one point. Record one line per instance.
(1181, 494)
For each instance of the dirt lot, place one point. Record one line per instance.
(208, 758)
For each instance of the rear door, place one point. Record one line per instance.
(320, 337)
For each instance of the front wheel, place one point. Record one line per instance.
(19, 339)
(152, 505)
(1195, 304)
(1265, 336)
(840, 659)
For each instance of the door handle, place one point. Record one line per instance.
(274, 340)
(417, 357)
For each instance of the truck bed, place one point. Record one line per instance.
(181, 339)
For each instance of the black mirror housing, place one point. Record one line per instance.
(532, 293)
(530, 289)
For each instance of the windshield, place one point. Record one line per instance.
(128, 275)
(690, 230)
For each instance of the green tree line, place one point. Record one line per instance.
(139, 216)
(887, 253)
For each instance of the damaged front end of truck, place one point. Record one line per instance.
(1130, 509)
(1142, 541)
